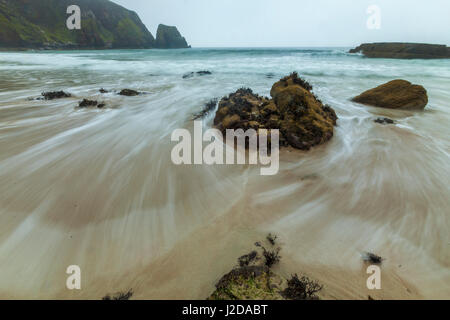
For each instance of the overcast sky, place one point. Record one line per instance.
(296, 23)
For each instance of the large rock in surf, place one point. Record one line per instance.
(396, 94)
(302, 119)
(168, 37)
(396, 50)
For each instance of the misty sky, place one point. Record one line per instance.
(296, 23)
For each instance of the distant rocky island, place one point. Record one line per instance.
(41, 24)
(398, 50)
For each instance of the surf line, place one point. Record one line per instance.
(236, 142)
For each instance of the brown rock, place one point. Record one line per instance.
(51, 95)
(128, 93)
(87, 103)
(399, 50)
(300, 116)
(396, 94)
(384, 121)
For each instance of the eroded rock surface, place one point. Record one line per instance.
(303, 120)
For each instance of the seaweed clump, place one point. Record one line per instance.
(271, 238)
(247, 259)
(302, 288)
(372, 258)
(209, 106)
(120, 296)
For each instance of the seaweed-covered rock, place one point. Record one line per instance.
(55, 95)
(396, 94)
(254, 279)
(128, 93)
(87, 103)
(301, 117)
(248, 283)
(384, 121)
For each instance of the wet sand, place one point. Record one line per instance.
(131, 219)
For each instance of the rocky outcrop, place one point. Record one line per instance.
(41, 24)
(303, 120)
(51, 95)
(254, 279)
(396, 94)
(168, 37)
(403, 50)
(248, 283)
(86, 103)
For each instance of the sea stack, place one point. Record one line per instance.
(168, 37)
(398, 50)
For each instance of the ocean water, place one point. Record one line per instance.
(96, 188)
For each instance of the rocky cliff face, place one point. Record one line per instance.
(42, 24)
(403, 50)
(168, 37)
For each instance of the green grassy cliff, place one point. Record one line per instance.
(42, 24)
